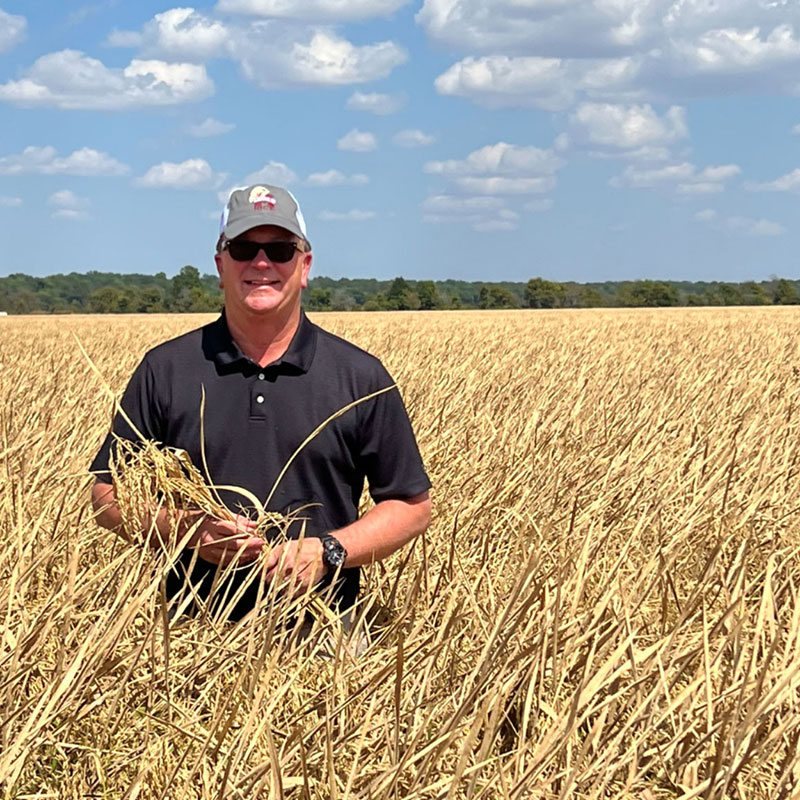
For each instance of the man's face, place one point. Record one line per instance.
(259, 285)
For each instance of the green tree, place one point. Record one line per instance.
(105, 300)
(317, 299)
(785, 293)
(540, 293)
(496, 297)
(428, 295)
(648, 294)
(397, 296)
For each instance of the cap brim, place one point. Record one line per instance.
(240, 226)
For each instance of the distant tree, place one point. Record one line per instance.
(151, 300)
(181, 287)
(317, 299)
(649, 294)
(397, 296)
(785, 293)
(754, 294)
(342, 300)
(540, 293)
(496, 297)
(590, 298)
(730, 294)
(428, 295)
(105, 300)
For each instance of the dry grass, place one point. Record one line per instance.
(606, 604)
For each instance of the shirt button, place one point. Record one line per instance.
(259, 398)
(261, 376)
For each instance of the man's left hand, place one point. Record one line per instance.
(298, 562)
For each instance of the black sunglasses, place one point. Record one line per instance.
(245, 250)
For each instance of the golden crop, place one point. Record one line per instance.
(606, 603)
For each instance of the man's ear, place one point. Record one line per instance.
(306, 268)
(218, 262)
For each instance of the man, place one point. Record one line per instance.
(270, 378)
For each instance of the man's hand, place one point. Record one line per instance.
(219, 541)
(298, 562)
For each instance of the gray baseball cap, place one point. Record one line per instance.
(261, 204)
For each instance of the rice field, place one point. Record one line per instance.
(605, 605)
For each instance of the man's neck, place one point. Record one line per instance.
(264, 338)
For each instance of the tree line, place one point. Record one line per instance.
(189, 291)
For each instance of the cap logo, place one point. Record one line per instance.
(262, 199)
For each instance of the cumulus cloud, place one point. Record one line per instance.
(790, 182)
(502, 169)
(480, 212)
(10, 202)
(356, 141)
(742, 225)
(210, 127)
(685, 178)
(324, 59)
(180, 32)
(312, 56)
(194, 173)
(46, 161)
(69, 79)
(275, 173)
(412, 137)
(12, 30)
(323, 10)
(354, 215)
(635, 131)
(67, 205)
(557, 52)
(375, 102)
(333, 177)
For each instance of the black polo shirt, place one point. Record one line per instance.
(256, 417)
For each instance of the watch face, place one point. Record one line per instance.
(333, 553)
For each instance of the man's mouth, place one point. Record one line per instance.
(257, 283)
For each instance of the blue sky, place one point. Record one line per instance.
(471, 139)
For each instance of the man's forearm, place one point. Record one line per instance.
(157, 530)
(384, 529)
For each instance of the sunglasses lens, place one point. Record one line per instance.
(245, 250)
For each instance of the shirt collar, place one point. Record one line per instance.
(225, 353)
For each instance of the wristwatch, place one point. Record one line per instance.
(333, 553)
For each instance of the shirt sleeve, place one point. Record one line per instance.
(141, 405)
(388, 454)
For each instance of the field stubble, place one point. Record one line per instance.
(604, 606)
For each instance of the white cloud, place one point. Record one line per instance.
(785, 183)
(375, 102)
(502, 169)
(67, 205)
(481, 213)
(324, 59)
(45, 161)
(294, 54)
(685, 178)
(635, 131)
(10, 202)
(356, 141)
(354, 215)
(210, 127)
(327, 10)
(194, 173)
(557, 52)
(498, 81)
(742, 225)
(180, 32)
(71, 80)
(333, 177)
(413, 138)
(12, 30)
(273, 172)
